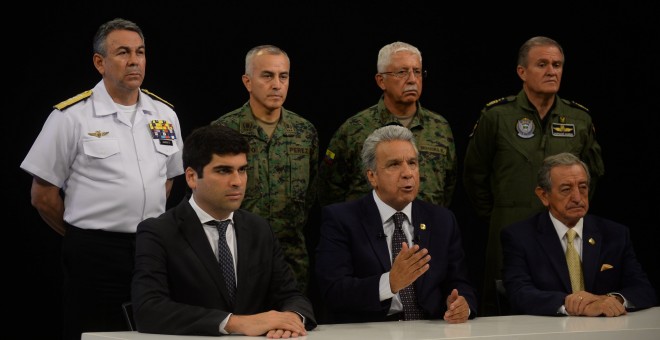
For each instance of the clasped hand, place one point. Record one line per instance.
(587, 304)
(276, 325)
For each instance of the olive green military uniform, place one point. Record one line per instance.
(281, 173)
(506, 150)
(341, 177)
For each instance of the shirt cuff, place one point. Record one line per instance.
(223, 324)
(384, 289)
(301, 316)
(625, 302)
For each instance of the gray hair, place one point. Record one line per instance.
(561, 159)
(261, 49)
(386, 133)
(523, 53)
(385, 54)
(99, 43)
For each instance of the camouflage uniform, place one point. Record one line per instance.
(281, 173)
(341, 177)
(504, 154)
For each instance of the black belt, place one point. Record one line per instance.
(99, 232)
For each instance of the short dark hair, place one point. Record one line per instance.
(206, 141)
(99, 43)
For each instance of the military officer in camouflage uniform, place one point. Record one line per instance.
(509, 142)
(400, 75)
(283, 158)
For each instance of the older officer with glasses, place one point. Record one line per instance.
(400, 75)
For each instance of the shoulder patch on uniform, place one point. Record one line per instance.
(329, 157)
(152, 95)
(63, 105)
(499, 101)
(574, 104)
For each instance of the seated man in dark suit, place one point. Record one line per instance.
(360, 275)
(179, 283)
(606, 278)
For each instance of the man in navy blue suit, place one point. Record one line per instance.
(536, 273)
(359, 277)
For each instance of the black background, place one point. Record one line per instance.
(195, 53)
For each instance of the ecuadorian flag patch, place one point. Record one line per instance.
(329, 157)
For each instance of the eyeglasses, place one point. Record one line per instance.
(404, 74)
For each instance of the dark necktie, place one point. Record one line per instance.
(225, 258)
(411, 309)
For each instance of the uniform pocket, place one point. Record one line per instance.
(298, 176)
(166, 149)
(103, 161)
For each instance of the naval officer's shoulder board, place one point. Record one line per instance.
(152, 95)
(81, 96)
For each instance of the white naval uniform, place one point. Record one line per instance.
(112, 171)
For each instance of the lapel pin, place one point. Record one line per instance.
(422, 226)
(592, 241)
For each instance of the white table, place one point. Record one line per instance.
(640, 325)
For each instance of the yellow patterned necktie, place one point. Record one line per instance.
(573, 262)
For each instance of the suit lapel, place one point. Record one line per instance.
(590, 252)
(421, 237)
(243, 241)
(193, 231)
(548, 240)
(373, 228)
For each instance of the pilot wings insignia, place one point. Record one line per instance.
(563, 130)
(98, 133)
